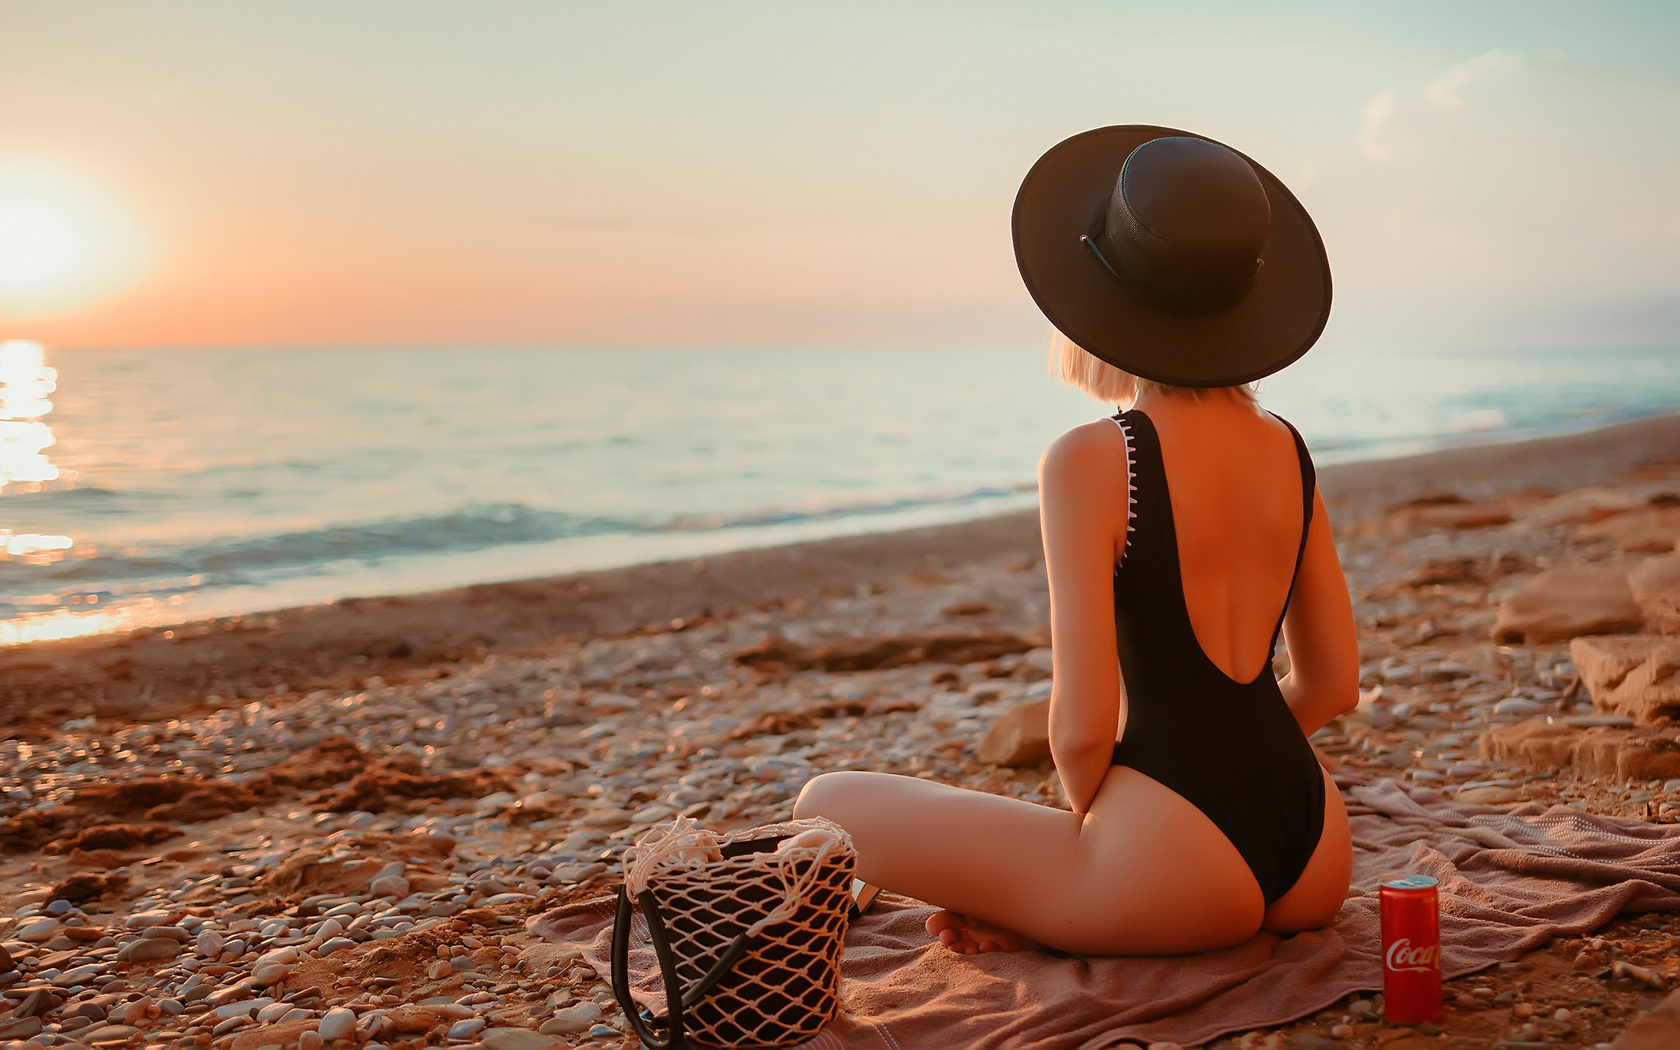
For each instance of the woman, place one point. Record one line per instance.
(1181, 538)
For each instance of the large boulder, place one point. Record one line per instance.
(1626, 754)
(1652, 530)
(1020, 738)
(1656, 587)
(1565, 603)
(1633, 675)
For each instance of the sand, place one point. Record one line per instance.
(492, 748)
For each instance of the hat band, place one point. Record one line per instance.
(1171, 277)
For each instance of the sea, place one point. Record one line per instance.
(150, 487)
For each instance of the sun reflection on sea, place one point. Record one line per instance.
(26, 380)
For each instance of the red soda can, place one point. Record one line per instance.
(1411, 941)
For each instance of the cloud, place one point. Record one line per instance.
(1373, 132)
(1389, 114)
(1447, 92)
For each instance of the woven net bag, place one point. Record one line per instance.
(747, 928)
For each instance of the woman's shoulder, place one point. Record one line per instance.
(1097, 445)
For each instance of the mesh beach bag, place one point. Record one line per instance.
(747, 929)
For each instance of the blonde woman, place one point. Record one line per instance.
(1182, 538)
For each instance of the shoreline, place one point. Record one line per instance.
(167, 670)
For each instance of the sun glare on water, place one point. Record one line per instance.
(64, 242)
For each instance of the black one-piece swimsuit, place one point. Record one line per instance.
(1232, 749)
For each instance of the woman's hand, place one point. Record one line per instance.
(1323, 678)
(1083, 506)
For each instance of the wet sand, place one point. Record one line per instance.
(264, 819)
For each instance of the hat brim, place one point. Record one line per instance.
(1276, 322)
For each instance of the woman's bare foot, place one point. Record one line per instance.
(967, 936)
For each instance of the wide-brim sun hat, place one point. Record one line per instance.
(1171, 256)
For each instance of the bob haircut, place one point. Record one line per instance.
(1074, 365)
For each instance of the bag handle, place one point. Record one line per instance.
(676, 1000)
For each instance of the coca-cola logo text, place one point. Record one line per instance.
(1402, 956)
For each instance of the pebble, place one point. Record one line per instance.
(439, 970)
(1518, 707)
(389, 886)
(311, 1040)
(21, 1028)
(336, 944)
(603, 1029)
(336, 1024)
(515, 1039)
(36, 931)
(149, 949)
(140, 920)
(572, 1019)
(209, 944)
(109, 1033)
(466, 1028)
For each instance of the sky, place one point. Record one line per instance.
(358, 173)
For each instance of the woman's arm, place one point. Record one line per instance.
(1323, 678)
(1082, 493)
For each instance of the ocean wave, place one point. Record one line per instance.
(172, 569)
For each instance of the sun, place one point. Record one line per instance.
(39, 246)
(64, 241)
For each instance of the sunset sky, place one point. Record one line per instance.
(490, 173)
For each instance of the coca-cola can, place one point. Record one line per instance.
(1411, 942)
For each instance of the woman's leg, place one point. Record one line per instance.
(1144, 873)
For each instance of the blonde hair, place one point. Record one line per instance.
(1078, 367)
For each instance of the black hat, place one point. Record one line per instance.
(1171, 256)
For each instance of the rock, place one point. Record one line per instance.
(609, 817)
(271, 974)
(1656, 587)
(571, 1019)
(21, 1028)
(35, 1003)
(336, 1024)
(439, 970)
(515, 1039)
(1518, 707)
(127, 1013)
(36, 931)
(111, 1033)
(335, 944)
(1585, 506)
(1456, 515)
(389, 886)
(466, 1028)
(308, 1040)
(1654, 530)
(1021, 737)
(210, 943)
(868, 654)
(150, 948)
(1657, 1029)
(1630, 754)
(1565, 603)
(1637, 676)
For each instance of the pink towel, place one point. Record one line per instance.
(1510, 880)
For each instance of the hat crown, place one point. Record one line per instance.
(1185, 224)
(1194, 194)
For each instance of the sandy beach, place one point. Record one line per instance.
(334, 821)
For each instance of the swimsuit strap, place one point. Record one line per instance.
(1309, 485)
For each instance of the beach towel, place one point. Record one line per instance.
(1510, 879)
